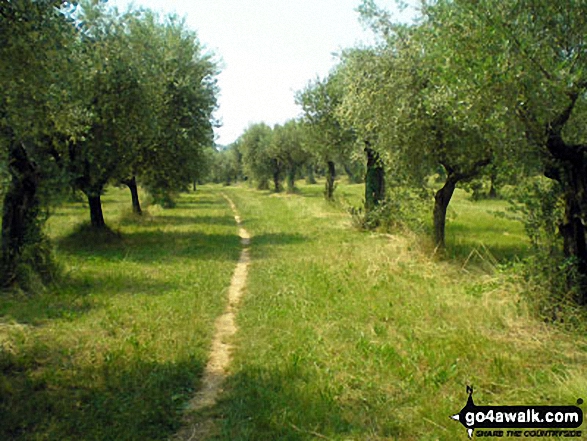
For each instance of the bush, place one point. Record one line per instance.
(402, 209)
(538, 204)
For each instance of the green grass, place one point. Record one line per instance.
(474, 227)
(343, 335)
(116, 349)
(351, 336)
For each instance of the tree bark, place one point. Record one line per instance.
(291, 180)
(134, 194)
(443, 196)
(569, 167)
(374, 180)
(276, 182)
(492, 189)
(20, 224)
(572, 229)
(276, 176)
(441, 200)
(96, 214)
(330, 176)
(310, 178)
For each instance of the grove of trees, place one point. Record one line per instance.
(92, 97)
(468, 92)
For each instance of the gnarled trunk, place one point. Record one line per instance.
(96, 214)
(310, 178)
(570, 169)
(572, 229)
(330, 176)
(291, 179)
(134, 194)
(443, 196)
(374, 180)
(20, 216)
(441, 200)
(276, 175)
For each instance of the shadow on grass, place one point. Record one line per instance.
(268, 240)
(170, 220)
(161, 246)
(490, 252)
(201, 202)
(120, 397)
(492, 241)
(287, 404)
(76, 295)
(149, 245)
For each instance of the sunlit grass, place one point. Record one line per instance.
(343, 334)
(117, 348)
(349, 335)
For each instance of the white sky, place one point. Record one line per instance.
(268, 50)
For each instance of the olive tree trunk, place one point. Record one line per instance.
(570, 169)
(441, 200)
(310, 178)
(21, 227)
(291, 179)
(330, 176)
(134, 194)
(444, 195)
(96, 214)
(374, 180)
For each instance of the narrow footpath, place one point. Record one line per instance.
(219, 360)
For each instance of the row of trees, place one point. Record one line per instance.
(471, 89)
(483, 86)
(92, 97)
(270, 156)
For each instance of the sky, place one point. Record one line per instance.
(268, 50)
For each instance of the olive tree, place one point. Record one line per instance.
(34, 110)
(329, 138)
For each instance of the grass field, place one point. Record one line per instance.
(116, 349)
(343, 335)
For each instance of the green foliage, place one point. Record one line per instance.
(152, 101)
(226, 165)
(403, 210)
(259, 161)
(328, 138)
(287, 145)
(537, 203)
(34, 106)
(114, 96)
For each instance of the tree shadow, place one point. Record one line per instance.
(154, 246)
(171, 220)
(122, 396)
(486, 242)
(76, 295)
(148, 246)
(287, 403)
(264, 242)
(201, 203)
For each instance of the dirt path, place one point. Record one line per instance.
(225, 327)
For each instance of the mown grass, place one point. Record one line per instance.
(347, 335)
(114, 351)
